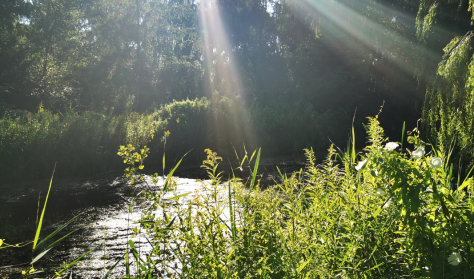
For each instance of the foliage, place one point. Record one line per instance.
(81, 143)
(447, 115)
(393, 214)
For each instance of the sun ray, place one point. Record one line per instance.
(223, 79)
(349, 25)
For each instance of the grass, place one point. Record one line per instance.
(392, 214)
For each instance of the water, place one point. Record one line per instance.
(104, 224)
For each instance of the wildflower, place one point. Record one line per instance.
(419, 152)
(380, 192)
(390, 146)
(360, 165)
(436, 163)
(454, 259)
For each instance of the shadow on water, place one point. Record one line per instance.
(105, 222)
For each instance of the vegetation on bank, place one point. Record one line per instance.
(85, 143)
(387, 212)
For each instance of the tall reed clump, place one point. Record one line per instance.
(385, 213)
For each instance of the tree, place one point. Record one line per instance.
(448, 115)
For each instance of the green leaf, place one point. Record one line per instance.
(377, 212)
(72, 264)
(255, 169)
(302, 266)
(40, 224)
(177, 197)
(55, 232)
(168, 177)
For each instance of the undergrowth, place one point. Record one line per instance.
(85, 143)
(382, 213)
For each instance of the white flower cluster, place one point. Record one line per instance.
(436, 163)
(454, 259)
(360, 164)
(390, 146)
(419, 152)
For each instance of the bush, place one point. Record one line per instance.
(85, 143)
(80, 143)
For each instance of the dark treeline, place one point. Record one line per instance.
(95, 55)
(269, 68)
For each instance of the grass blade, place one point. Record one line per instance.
(59, 240)
(127, 264)
(168, 177)
(177, 197)
(40, 223)
(135, 255)
(72, 264)
(353, 157)
(255, 169)
(403, 135)
(40, 255)
(301, 267)
(55, 232)
(231, 211)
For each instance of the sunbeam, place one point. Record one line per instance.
(223, 79)
(360, 32)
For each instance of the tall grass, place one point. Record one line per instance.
(383, 213)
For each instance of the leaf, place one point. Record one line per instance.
(112, 268)
(40, 224)
(56, 231)
(377, 212)
(40, 255)
(302, 266)
(177, 197)
(403, 135)
(353, 157)
(168, 177)
(255, 169)
(72, 264)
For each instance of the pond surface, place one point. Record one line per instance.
(104, 223)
